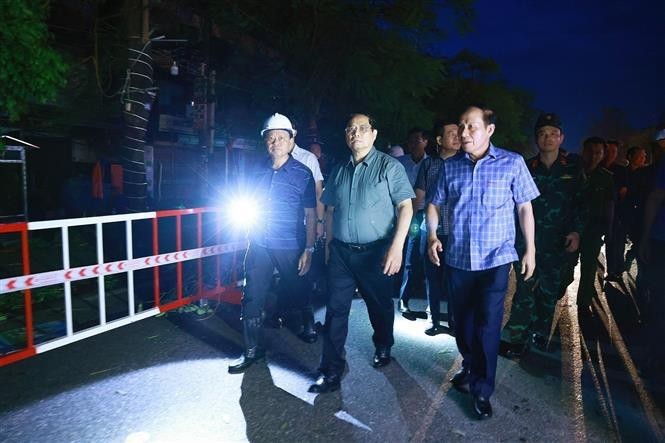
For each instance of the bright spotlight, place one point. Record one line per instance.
(243, 212)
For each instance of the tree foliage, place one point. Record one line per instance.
(30, 69)
(315, 58)
(475, 79)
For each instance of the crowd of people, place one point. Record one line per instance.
(450, 217)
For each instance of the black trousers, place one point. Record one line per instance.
(477, 302)
(260, 263)
(349, 269)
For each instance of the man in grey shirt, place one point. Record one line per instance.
(364, 243)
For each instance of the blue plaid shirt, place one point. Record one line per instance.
(481, 197)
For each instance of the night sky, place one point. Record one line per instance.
(576, 57)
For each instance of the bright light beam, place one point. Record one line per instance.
(243, 212)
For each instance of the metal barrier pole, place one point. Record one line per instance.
(27, 293)
(130, 274)
(178, 247)
(100, 279)
(155, 251)
(69, 322)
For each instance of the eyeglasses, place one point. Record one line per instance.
(362, 129)
(275, 139)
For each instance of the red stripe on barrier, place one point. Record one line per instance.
(17, 356)
(8, 228)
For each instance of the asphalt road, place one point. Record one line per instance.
(164, 380)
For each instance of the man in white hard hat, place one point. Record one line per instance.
(285, 188)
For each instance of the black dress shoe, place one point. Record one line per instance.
(513, 350)
(247, 359)
(325, 384)
(273, 322)
(403, 308)
(381, 357)
(436, 330)
(482, 407)
(460, 380)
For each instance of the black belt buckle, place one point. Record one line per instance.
(356, 247)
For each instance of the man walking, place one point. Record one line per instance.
(448, 144)
(559, 217)
(285, 188)
(368, 212)
(482, 186)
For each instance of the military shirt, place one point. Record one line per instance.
(560, 208)
(365, 196)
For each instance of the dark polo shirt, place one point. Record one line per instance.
(283, 194)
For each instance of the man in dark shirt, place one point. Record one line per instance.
(368, 213)
(448, 144)
(285, 190)
(615, 240)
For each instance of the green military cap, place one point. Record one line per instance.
(548, 119)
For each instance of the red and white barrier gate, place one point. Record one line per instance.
(11, 287)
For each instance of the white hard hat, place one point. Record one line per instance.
(278, 121)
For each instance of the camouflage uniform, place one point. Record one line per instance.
(557, 212)
(599, 197)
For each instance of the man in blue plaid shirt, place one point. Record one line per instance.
(483, 187)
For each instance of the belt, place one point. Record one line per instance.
(360, 246)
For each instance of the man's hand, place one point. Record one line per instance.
(305, 262)
(528, 264)
(434, 246)
(572, 241)
(392, 260)
(320, 229)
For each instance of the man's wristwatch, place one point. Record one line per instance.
(310, 249)
(320, 220)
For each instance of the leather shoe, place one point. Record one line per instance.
(460, 380)
(325, 384)
(513, 350)
(381, 357)
(482, 407)
(403, 308)
(436, 330)
(247, 359)
(273, 322)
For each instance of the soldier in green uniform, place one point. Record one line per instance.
(598, 198)
(559, 217)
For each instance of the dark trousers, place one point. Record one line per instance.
(260, 263)
(348, 269)
(412, 272)
(477, 302)
(615, 247)
(435, 282)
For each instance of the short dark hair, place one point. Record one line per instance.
(612, 142)
(372, 122)
(633, 150)
(417, 130)
(441, 123)
(489, 116)
(589, 142)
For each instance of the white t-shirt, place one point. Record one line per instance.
(308, 159)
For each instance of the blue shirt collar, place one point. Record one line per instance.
(493, 152)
